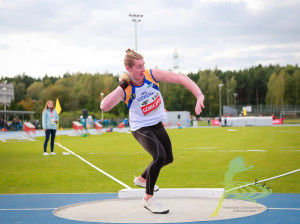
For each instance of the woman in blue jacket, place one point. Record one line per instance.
(49, 120)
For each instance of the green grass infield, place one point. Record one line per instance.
(201, 158)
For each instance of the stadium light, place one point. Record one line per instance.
(220, 87)
(102, 94)
(136, 20)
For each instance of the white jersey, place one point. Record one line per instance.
(145, 103)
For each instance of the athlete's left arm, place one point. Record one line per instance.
(176, 78)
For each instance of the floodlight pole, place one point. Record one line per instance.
(102, 94)
(4, 89)
(220, 87)
(228, 91)
(136, 20)
(235, 95)
(5, 108)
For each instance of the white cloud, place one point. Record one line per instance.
(54, 37)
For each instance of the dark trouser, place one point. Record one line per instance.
(49, 132)
(156, 141)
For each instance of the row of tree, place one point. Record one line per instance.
(273, 85)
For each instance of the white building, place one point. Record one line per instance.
(179, 117)
(6, 93)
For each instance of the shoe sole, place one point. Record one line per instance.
(144, 187)
(164, 212)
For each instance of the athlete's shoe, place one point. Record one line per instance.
(137, 182)
(53, 153)
(45, 154)
(154, 206)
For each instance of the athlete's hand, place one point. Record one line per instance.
(199, 104)
(124, 81)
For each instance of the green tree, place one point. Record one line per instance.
(27, 104)
(20, 91)
(33, 91)
(271, 94)
(280, 85)
(296, 81)
(208, 82)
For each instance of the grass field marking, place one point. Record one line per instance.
(203, 148)
(87, 162)
(21, 138)
(271, 178)
(290, 131)
(9, 141)
(28, 138)
(25, 209)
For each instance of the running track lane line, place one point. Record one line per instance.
(102, 171)
(271, 178)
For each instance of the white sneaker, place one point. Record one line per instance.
(137, 182)
(45, 154)
(53, 153)
(154, 206)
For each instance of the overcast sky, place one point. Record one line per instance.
(59, 36)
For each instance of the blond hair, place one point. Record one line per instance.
(46, 106)
(131, 55)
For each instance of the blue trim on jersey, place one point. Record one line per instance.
(152, 83)
(125, 95)
(132, 97)
(147, 81)
(152, 76)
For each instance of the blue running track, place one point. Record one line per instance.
(38, 208)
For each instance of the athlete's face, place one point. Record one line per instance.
(137, 71)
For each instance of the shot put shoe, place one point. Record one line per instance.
(154, 206)
(137, 182)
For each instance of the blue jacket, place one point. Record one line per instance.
(49, 121)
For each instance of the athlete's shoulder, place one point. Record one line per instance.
(149, 76)
(127, 93)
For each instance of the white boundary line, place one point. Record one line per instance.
(294, 171)
(21, 138)
(115, 179)
(25, 209)
(28, 138)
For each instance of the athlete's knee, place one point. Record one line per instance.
(169, 160)
(160, 160)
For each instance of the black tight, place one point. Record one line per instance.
(156, 141)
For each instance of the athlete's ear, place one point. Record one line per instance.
(128, 68)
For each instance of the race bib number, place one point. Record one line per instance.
(151, 104)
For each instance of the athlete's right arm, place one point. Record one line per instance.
(112, 99)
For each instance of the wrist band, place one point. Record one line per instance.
(123, 84)
(199, 94)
